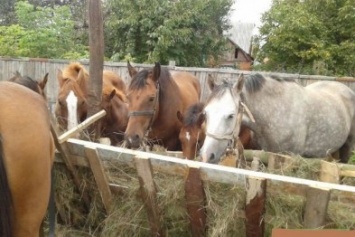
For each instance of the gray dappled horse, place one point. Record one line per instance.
(312, 121)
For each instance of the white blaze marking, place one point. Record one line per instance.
(72, 102)
(188, 136)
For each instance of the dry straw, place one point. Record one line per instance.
(225, 204)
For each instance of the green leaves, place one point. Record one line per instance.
(41, 32)
(186, 31)
(299, 35)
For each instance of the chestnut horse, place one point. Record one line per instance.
(114, 102)
(154, 97)
(192, 133)
(72, 106)
(26, 158)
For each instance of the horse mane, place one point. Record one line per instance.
(26, 81)
(165, 79)
(72, 71)
(192, 114)
(255, 82)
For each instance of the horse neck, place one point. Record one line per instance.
(119, 112)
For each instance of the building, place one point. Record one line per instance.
(238, 53)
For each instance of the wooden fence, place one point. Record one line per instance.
(88, 154)
(38, 67)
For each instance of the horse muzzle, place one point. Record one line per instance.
(133, 141)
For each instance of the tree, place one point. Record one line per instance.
(39, 29)
(187, 31)
(309, 36)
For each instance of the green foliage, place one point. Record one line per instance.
(41, 32)
(310, 36)
(187, 31)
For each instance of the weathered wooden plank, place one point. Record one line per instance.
(329, 172)
(196, 202)
(80, 127)
(149, 194)
(211, 172)
(316, 207)
(255, 204)
(100, 177)
(64, 151)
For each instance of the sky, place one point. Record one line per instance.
(249, 11)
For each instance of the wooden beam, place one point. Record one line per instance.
(211, 172)
(100, 177)
(86, 123)
(316, 207)
(149, 194)
(196, 202)
(255, 204)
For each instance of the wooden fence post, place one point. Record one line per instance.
(149, 194)
(196, 202)
(329, 172)
(316, 206)
(255, 204)
(100, 176)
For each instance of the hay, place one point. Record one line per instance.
(224, 205)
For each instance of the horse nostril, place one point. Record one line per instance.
(136, 137)
(211, 157)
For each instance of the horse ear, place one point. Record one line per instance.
(201, 119)
(17, 73)
(211, 83)
(60, 78)
(81, 79)
(112, 94)
(179, 116)
(131, 70)
(156, 71)
(238, 85)
(43, 82)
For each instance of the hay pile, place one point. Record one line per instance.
(225, 205)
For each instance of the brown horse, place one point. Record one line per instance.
(26, 158)
(72, 106)
(192, 133)
(154, 97)
(37, 86)
(114, 102)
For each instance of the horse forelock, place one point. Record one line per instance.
(192, 114)
(71, 72)
(219, 91)
(140, 80)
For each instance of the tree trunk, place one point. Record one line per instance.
(96, 43)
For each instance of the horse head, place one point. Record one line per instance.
(72, 106)
(192, 131)
(223, 111)
(37, 86)
(143, 103)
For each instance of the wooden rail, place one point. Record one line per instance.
(195, 174)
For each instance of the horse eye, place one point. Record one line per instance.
(230, 116)
(151, 99)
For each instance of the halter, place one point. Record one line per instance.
(150, 113)
(233, 136)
